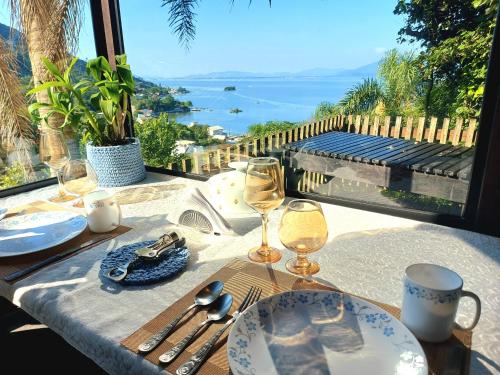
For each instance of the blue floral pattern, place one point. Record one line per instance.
(432, 296)
(251, 323)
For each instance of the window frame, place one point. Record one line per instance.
(482, 206)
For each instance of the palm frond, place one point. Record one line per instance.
(50, 28)
(362, 98)
(15, 127)
(182, 19)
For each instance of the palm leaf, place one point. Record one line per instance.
(362, 98)
(182, 18)
(15, 127)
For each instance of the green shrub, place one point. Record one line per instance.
(158, 136)
(12, 176)
(269, 127)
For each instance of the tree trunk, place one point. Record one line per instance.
(43, 26)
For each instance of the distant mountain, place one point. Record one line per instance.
(365, 71)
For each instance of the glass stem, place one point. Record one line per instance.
(264, 248)
(302, 261)
(59, 174)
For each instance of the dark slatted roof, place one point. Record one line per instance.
(434, 158)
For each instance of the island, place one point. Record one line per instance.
(230, 88)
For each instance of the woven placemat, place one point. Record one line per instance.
(17, 263)
(142, 271)
(238, 275)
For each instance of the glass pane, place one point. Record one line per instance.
(20, 67)
(383, 111)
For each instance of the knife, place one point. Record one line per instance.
(54, 258)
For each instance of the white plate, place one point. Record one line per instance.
(30, 233)
(308, 332)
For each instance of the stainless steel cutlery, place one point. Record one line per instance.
(217, 311)
(160, 248)
(194, 363)
(204, 297)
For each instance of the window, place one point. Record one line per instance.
(385, 113)
(21, 65)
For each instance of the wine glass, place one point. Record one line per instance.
(303, 230)
(54, 153)
(79, 178)
(264, 191)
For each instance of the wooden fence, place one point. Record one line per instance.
(457, 131)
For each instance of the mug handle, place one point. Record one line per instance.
(120, 216)
(466, 293)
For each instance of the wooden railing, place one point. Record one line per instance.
(456, 131)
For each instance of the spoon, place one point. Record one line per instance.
(204, 297)
(153, 252)
(217, 311)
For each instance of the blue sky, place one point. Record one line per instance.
(290, 36)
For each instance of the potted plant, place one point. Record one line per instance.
(97, 108)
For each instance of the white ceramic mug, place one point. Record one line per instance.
(103, 211)
(430, 301)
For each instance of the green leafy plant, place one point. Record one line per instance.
(99, 105)
(158, 138)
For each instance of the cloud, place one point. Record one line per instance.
(380, 50)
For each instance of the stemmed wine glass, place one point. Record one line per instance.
(54, 153)
(303, 230)
(264, 191)
(79, 178)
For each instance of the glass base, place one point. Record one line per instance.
(298, 268)
(61, 198)
(264, 255)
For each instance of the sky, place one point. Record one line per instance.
(289, 36)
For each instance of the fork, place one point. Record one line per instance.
(194, 363)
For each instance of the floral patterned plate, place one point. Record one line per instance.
(30, 233)
(308, 332)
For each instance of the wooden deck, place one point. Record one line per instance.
(434, 169)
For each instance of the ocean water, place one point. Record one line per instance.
(260, 99)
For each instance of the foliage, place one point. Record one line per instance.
(401, 81)
(182, 16)
(13, 176)
(327, 110)
(103, 120)
(362, 98)
(158, 137)
(397, 90)
(269, 127)
(158, 99)
(457, 37)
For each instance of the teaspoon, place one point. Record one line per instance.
(217, 311)
(204, 297)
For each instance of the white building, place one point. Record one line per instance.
(183, 145)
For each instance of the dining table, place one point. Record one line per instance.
(366, 254)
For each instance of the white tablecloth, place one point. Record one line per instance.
(366, 255)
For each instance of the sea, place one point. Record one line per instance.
(259, 99)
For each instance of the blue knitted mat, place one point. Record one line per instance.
(145, 272)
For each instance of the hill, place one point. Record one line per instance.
(24, 65)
